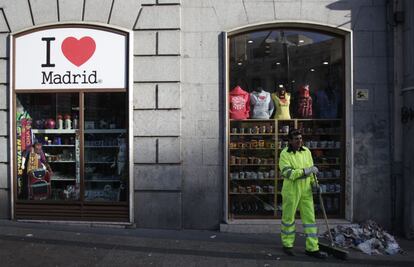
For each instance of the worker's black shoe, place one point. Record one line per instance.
(288, 251)
(316, 254)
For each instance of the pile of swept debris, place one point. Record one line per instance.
(368, 237)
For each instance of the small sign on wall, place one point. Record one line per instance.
(361, 94)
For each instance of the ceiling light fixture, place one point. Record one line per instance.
(301, 41)
(312, 70)
(277, 63)
(250, 41)
(239, 63)
(325, 63)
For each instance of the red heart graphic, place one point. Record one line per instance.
(78, 51)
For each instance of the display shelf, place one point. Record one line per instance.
(252, 148)
(58, 145)
(101, 146)
(99, 162)
(54, 131)
(252, 164)
(63, 180)
(251, 134)
(320, 134)
(252, 179)
(311, 128)
(101, 181)
(104, 131)
(232, 193)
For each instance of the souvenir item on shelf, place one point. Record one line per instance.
(60, 121)
(103, 124)
(39, 124)
(262, 104)
(239, 104)
(68, 122)
(50, 124)
(281, 100)
(304, 106)
(75, 122)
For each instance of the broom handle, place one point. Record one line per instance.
(323, 211)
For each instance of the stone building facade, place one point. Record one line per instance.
(179, 74)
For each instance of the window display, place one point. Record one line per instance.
(49, 159)
(295, 79)
(59, 161)
(105, 147)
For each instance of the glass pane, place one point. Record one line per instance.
(47, 146)
(106, 172)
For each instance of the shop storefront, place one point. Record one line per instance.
(172, 114)
(71, 124)
(282, 78)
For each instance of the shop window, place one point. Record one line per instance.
(280, 79)
(66, 154)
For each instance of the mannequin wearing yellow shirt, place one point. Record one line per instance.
(281, 98)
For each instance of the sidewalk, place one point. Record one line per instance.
(33, 244)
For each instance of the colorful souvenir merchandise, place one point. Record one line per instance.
(262, 104)
(281, 100)
(239, 104)
(304, 108)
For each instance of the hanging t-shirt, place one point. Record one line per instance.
(304, 108)
(282, 106)
(239, 101)
(327, 104)
(262, 105)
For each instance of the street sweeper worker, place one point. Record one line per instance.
(297, 170)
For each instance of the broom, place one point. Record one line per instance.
(330, 249)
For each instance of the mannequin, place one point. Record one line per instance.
(262, 104)
(281, 98)
(239, 104)
(304, 103)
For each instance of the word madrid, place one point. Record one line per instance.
(69, 78)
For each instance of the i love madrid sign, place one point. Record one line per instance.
(70, 57)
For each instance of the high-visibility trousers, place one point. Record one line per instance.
(298, 195)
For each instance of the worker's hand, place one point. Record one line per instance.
(308, 171)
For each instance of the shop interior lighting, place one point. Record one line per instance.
(239, 63)
(250, 41)
(277, 63)
(301, 41)
(325, 63)
(312, 70)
